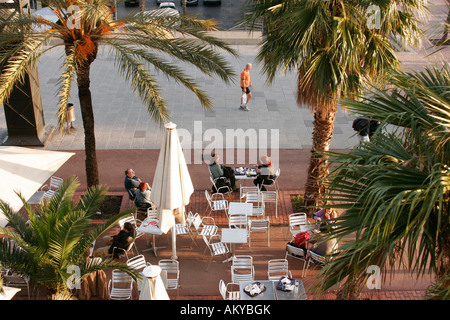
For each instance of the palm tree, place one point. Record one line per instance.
(394, 191)
(57, 236)
(336, 51)
(135, 41)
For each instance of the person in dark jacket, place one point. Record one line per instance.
(122, 240)
(365, 128)
(131, 183)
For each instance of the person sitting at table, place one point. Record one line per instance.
(322, 246)
(122, 240)
(220, 171)
(143, 196)
(266, 174)
(131, 183)
(324, 214)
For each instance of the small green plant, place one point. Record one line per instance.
(297, 201)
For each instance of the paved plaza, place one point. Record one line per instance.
(126, 133)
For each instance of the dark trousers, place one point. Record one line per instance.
(260, 180)
(229, 174)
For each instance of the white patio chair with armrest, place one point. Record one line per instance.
(258, 203)
(185, 228)
(317, 259)
(135, 222)
(216, 248)
(216, 202)
(238, 221)
(138, 263)
(172, 268)
(242, 269)
(143, 210)
(297, 253)
(295, 221)
(152, 213)
(271, 197)
(208, 229)
(120, 287)
(228, 294)
(243, 190)
(277, 268)
(256, 225)
(224, 189)
(273, 182)
(51, 188)
(129, 248)
(204, 229)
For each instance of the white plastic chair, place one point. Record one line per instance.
(185, 228)
(120, 287)
(295, 252)
(51, 188)
(152, 213)
(258, 203)
(271, 196)
(122, 251)
(238, 221)
(216, 202)
(132, 219)
(202, 228)
(243, 190)
(228, 294)
(215, 248)
(277, 268)
(274, 181)
(225, 189)
(295, 221)
(311, 256)
(317, 258)
(172, 267)
(256, 225)
(138, 262)
(242, 269)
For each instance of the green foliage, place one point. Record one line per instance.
(394, 190)
(297, 203)
(54, 237)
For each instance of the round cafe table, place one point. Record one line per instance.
(152, 284)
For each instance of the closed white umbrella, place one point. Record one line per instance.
(172, 184)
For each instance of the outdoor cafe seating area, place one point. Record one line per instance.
(221, 252)
(224, 251)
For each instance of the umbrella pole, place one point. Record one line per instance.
(174, 243)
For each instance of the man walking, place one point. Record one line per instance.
(245, 85)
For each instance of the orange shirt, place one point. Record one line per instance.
(245, 78)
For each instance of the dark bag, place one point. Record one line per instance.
(221, 182)
(361, 125)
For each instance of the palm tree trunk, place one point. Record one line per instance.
(183, 5)
(142, 5)
(87, 114)
(318, 165)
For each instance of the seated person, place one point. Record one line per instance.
(266, 174)
(325, 214)
(143, 196)
(122, 240)
(322, 246)
(220, 171)
(131, 183)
